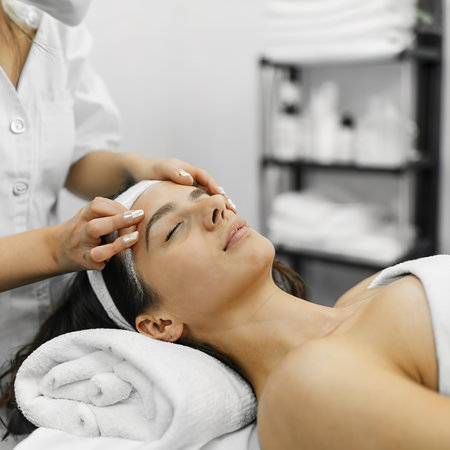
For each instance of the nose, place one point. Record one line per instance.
(213, 211)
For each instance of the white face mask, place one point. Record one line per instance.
(70, 12)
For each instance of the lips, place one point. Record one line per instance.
(238, 229)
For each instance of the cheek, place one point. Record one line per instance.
(188, 272)
(196, 280)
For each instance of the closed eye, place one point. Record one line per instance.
(194, 195)
(167, 209)
(173, 231)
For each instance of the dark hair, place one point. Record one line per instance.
(79, 309)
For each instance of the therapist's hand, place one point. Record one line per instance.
(103, 173)
(176, 170)
(78, 243)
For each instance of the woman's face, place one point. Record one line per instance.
(198, 256)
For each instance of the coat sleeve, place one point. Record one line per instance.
(97, 122)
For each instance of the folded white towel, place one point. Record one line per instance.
(351, 228)
(314, 31)
(325, 8)
(358, 50)
(122, 384)
(330, 17)
(382, 27)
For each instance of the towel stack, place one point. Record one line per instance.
(313, 31)
(310, 221)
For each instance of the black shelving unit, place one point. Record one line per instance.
(427, 58)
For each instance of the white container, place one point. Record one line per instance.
(287, 125)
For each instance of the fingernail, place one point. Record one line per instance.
(222, 191)
(133, 214)
(231, 203)
(183, 173)
(130, 237)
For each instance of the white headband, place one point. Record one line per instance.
(95, 277)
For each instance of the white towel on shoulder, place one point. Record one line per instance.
(433, 272)
(119, 383)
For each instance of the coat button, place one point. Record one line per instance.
(20, 188)
(18, 126)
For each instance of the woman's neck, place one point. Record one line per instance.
(279, 323)
(15, 44)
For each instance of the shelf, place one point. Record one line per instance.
(422, 248)
(414, 184)
(300, 163)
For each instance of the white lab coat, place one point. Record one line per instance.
(60, 112)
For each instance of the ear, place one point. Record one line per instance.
(157, 327)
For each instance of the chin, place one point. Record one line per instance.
(261, 252)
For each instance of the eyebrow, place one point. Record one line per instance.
(167, 209)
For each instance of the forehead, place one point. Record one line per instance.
(159, 194)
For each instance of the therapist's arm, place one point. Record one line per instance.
(68, 247)
(104, 173)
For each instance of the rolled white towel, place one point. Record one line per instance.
(71, 379)
(107, 389)
(178, 397)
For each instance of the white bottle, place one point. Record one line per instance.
(381, 137)
(325, 122)
(368, 139)
(287, 123)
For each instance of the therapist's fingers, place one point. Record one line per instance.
(103, 226)
(103, 252)
(101, 207)
(202, 177)
(183, 173)
(205, 179)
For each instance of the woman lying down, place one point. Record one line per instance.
(370, 372)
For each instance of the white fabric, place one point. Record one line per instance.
(332, 12)
(323, 8)
(128, 197)
(67, 113)
(309, 220)
(180, 398)
(433, 272)
(371, 27)
(357, 50)
(70, 12)
(307, 31)
(96, 280)
(46, 439)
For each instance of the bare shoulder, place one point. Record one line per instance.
(290, 414)
(326, 392)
